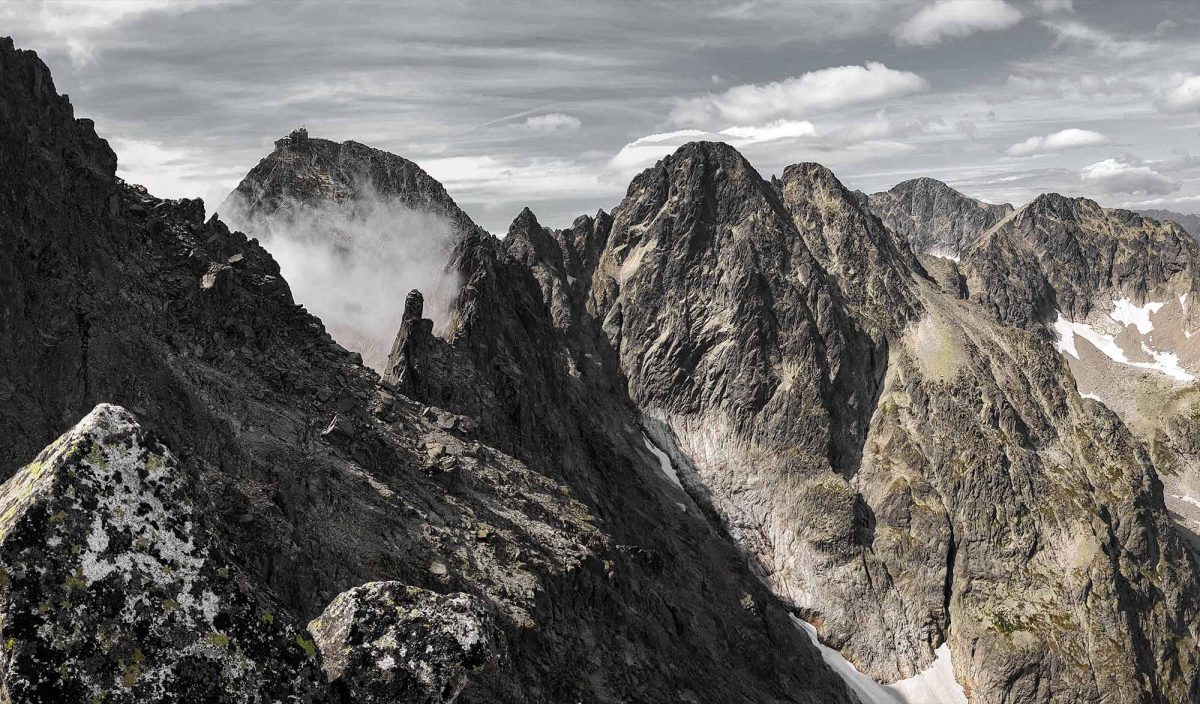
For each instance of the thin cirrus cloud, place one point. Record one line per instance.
(955, 19)
(1121, 177)
(1183, 96)
(553, 122)
(798, 96)
(1057, 142)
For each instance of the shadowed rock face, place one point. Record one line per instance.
(319, 477)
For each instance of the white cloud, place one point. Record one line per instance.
(1113, 176)
(793, 98)
(553, 122)
(488, 177)
(955, 19)
(1183, 96)
(874, 137)
(646, 150)
(1065, 139)
(780, 129)
(1081, 86)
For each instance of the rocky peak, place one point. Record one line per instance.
(308, 171)
(870, 264)
(935, 218)
(1188, 221)
(529, 241)
(1064, 254)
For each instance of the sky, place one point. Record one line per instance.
(557, 105)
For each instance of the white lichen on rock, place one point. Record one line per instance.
(112, 591)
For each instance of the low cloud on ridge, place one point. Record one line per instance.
(352, 264)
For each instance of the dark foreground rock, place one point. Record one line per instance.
(113, 591)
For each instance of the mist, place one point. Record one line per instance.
(352, 263)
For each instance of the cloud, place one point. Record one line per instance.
(1057, 142)
(955, 19)
(646, 150)
(352, 264)
(486, 177)
(1079, 86)
(1122, 177)
(796, 97)
(780, 129)
(1078, 33)
(874, 136)
(553, 122)
(78, 23)
(1184, 96)
(1051, 7)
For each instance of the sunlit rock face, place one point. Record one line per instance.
(112, 589)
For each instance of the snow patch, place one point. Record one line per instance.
(936, 685)
(664, 462)
(1126, 313)
(941, 253)
(1164, 362)
(1094, 397)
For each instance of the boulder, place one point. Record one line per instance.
(388, 642)
(111, 590)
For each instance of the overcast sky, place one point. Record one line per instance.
(556, 105)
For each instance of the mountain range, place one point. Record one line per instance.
(737, 440)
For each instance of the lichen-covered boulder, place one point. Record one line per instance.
(387, 642)
(111, 591)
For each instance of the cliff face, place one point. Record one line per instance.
(905, 469)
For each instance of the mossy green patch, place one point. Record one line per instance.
(309, 647)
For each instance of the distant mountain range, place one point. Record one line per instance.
(1191, 222)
